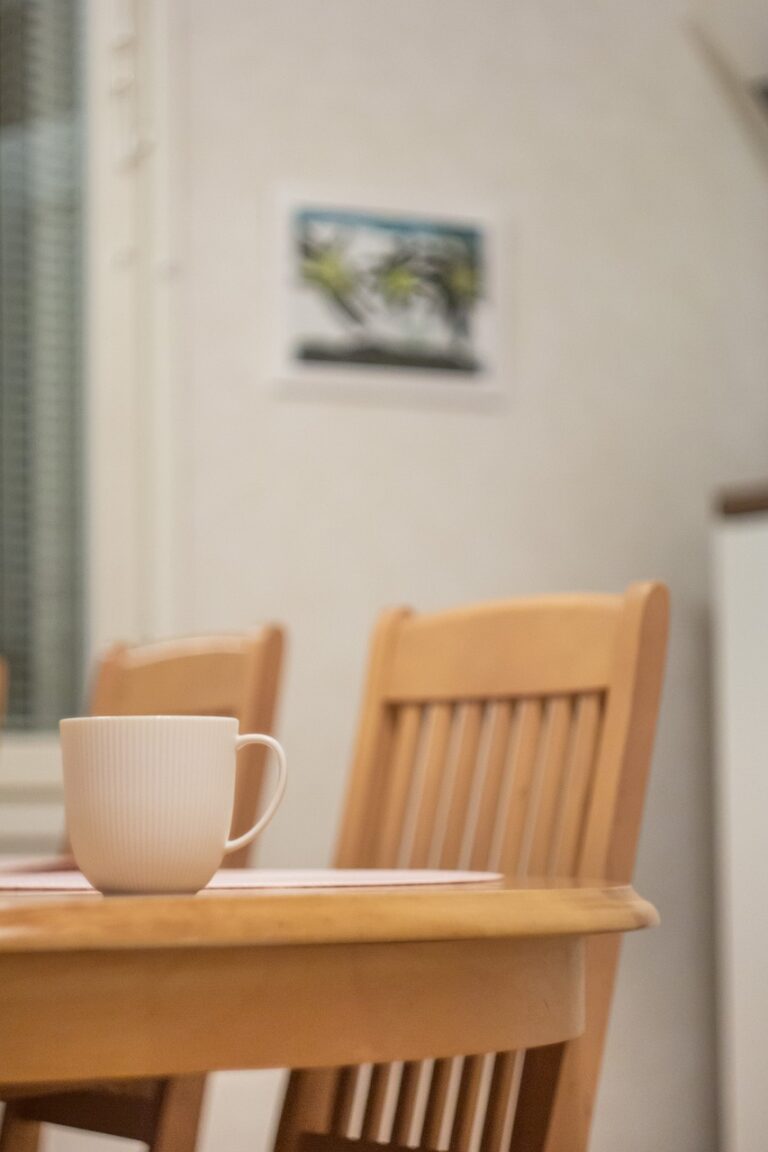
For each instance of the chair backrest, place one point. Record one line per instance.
(513, 736)
(234, 675)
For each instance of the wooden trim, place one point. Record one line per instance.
(747, 501)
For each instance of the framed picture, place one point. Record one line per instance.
(385, 302)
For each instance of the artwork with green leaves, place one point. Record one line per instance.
(378, 291)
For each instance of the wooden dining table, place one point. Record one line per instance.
(96, 987)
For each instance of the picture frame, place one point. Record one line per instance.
(385, 300)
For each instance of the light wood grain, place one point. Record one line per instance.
(504, 909)
(469, 745)
(553, 705)
(611, 832)
(191, 985)
(356, 846)
(546, 646)
(519, 822)
(500, 720)
(440, 721)
(201, 1009)
(399, 784)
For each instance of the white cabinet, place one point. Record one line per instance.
(741, 660)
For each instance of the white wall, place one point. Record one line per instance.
(639, 339)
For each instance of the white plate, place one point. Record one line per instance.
(264, 878)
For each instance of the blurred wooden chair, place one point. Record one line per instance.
(209, 676)
(517, 737)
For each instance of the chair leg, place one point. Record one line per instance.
(538, 1090)
(307, 1106)
(18, 1134)
(178, 1115)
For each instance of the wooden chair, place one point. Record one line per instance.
(513, 736)
(213, 676)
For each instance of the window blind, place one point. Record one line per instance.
(41, 514)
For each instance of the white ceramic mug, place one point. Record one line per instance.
(149, 799)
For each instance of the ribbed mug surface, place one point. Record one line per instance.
(149, 799)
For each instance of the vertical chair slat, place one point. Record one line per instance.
(501, 719)
(553, 756)
(500, 1095)
(375, 1102)
(406, 740)
(344, 1100)
(414, 723)
(437, 1100)
(367, 785)
(438, 738)
(407, 1099)
(523, 767)
(466, 761)
(587, 719)
(470, 1086)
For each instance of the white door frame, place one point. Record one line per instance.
(132, 466)
(131, 469)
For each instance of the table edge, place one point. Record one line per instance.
(299, 918)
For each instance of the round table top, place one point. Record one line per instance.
(494, 908)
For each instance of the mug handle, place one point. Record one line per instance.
(282, 777)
